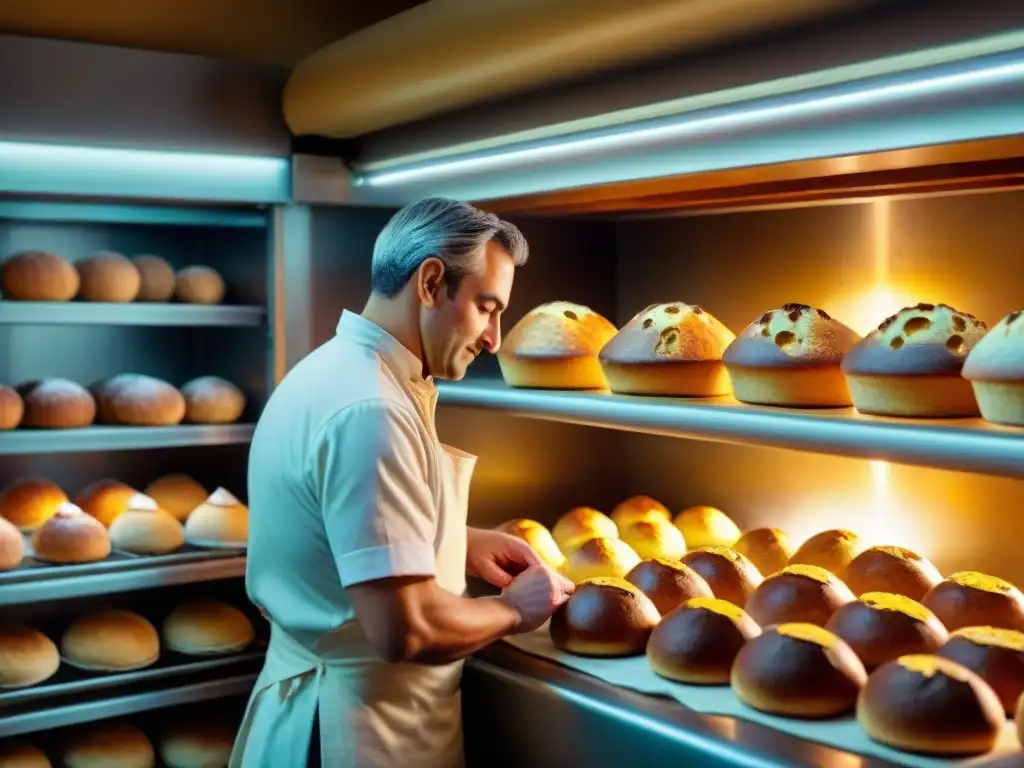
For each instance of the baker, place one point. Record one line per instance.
(358, 543)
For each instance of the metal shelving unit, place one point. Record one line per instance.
(88, 439)
(83, 313)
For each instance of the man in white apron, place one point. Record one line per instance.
(358, 544)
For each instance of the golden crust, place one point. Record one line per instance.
(668, 333)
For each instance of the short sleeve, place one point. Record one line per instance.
(371, 475)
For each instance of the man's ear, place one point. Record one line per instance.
(430, 282)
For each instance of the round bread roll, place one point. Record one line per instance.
(109, 744)
(972, 599)
(1019, 720)
(38, 276)
(145, 529)
(892, 569)
(538, 537)
(157, 278)
(911, 364)
(925, 703)
(11, 408)
(30, 502)
(882, 626)
(582, 523)
(19, 754)
(704, 526)
(555, 346)
(636, 508)
(791, 357)
(220, 521)
(798, 593)
(729, 574)
(668, 349)
(199, 285)
(110, 640)
(138, 400)
(667, 583)
(798, 670)
(12, 546)
(604, 617)
(995, 368)
(655, 537)
(769, 549)
(108, 276)
(56, 404)
(994, 655)
(600, 557)
(105, 499)
(27, 656)
(207, 628)
(178, 494)
(71, 536)
(698, 641)
(832, 550)
(197, 744)
(212, 400)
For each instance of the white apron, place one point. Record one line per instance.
(371, 714)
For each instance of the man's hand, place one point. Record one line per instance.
(535, 594)
(498, 557)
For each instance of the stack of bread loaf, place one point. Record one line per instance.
(929, 360)
(106, 276)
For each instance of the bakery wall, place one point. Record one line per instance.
(860, 262)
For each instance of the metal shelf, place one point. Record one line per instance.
(24, 441)
(969, 445)
(148, 314)
(113, 213)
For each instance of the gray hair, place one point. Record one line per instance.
(454, 232)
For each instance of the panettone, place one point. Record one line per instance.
(995, 368)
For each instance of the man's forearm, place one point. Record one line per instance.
(446, 627)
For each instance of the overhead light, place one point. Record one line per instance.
(807, 106)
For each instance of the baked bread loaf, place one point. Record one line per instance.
(892, 569)
(704, 526)
(636, 508)
(925, 703)
(769, 549)
(604, 617)
(555, 346)
(12, 546)
(220, 521)
(145, 529)
(177, 493)
(138, 400)
(882, 626)
(582, 523)
(790, 357)
(600, 557)
(798, 593)
(832, 550)
(105, 499)
(207, 628)
(197, 744)
(995, 368)
(38, 276)
(11, 408)
(1019, 720)
(71, 536)
(20, 754)
(538, 537)
(212, 400)
(972, 599)
(30, 502)
(108, 744)
(655, 537)
(910, 365)
(56, 404)
(199, 285)
(156, 278)
(994, 655)
(110, 640)
(108, 276)
(668, 583)
(729, 574)
(698, 641)
(668, 349)
(27, 656)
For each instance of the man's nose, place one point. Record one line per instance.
(492, 338)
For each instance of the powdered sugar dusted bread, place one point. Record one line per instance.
(220, 521)
(910, 365)
(109, 276)
(138, 400)
(38, 276)
(669, 349)
(555, 346)
(790, 357)
(56, 404)
(995, 368)
(212, 400)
